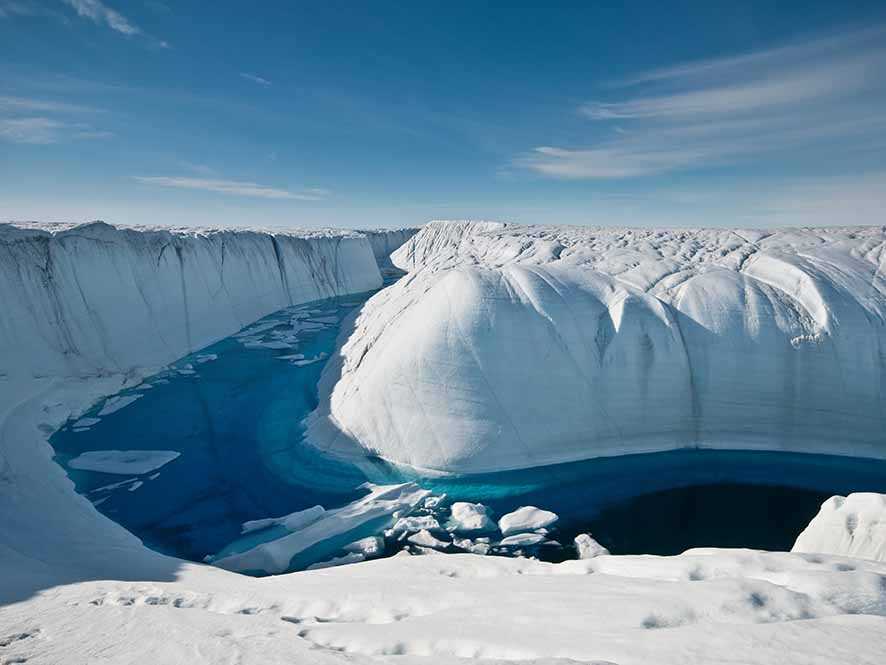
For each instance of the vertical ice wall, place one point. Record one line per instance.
(95, 299)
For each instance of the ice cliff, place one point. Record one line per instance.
(512, 346)
(96, 299)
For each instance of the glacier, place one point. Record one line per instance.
(77, 588)
(508, 346)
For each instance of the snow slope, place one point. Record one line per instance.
(511, 346)
(706, 607)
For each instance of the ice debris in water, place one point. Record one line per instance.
(526, 518)
(467, 517)
(123, 461)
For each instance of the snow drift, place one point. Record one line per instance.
(508, 347)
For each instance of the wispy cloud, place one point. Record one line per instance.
(44, 131)
(255, 79)
(736, 108)
(10, 8)
(99, 12)
(44, 121)
(27, 104)
(234, 187)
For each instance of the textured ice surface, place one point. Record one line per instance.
(526, 346)
(850, 526)
(275, 555)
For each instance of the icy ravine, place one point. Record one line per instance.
(96, 299)
(77, 588)
(509, 346)
(90, 309)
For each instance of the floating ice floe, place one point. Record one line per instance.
(414, 524)
(469, 517)
(424, 539)
(292, 522)
(523, 540)
(114, 404)
(526, 518)
(370, 546)
(310, 361)
(123, 461)
(85, 423)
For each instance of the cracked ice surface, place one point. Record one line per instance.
(516, 346)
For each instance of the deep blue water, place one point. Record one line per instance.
(236, 420)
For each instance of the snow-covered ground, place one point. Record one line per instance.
(511, 346)
(77, 588)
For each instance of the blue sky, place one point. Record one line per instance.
(383, 113)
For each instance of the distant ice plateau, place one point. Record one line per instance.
(512, 346)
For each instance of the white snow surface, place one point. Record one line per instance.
(854, 526)
(77, 588)
(124, 462)
(527, 346)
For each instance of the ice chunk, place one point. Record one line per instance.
(86, 423)
(291, 522)
(424, 539)
(123, 461)
(587, 547)
(526, 518)
(523, 540)
(849, 526)
(370, 546)
(114, 404)
(415, 523)
(468, 517)
(274, 556)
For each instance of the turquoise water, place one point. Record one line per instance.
(233, 411)
(236, 423)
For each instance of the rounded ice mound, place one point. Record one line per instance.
(853, 526)
(510, 347)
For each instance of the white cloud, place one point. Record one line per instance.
(40, 131)
(255, 79)
(725, 110)
(233, 187)
(100, 13)
(44, 131)
(18, 104)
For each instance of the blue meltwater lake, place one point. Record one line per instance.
(230, 417)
